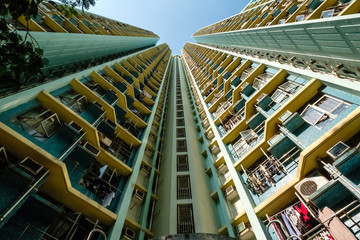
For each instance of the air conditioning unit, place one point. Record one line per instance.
(91, 149)
(145, 169)
(247, 234)
(337, 150)
(106, 141)
(75, 127)
(129, 234)
(206, 123)
(309, 185)
(285, 116)
(149, 152)
(30, 166)
(215, 149)
(241, 227)
(138, 196)
(230, 193)
(222, 168)
(210, 135)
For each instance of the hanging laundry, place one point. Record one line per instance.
(337, 229)
(108, 199)
(277, 229)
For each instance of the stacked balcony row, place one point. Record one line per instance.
(51, 18)
(269, 13)
(139, 218)
(278, 129)
(69, 152)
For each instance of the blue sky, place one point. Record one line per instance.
(173, 20)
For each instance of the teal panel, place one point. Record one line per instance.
(62, 48)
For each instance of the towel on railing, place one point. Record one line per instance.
(337, 229)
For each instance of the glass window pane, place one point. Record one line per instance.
(312, 115)
(340, 109)
(327, 103)
(325, 119)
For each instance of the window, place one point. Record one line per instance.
(182, 163)
(180, 122)
(181, 145)
(39, 122)
(180, 132)
(183, 187)
(299, 18)
(179, 114)
(284, 91)
(179, 101)
(185, 220)
(327, 13)
(323, 111)
(74, 101)
(261, 80)
(179, 107)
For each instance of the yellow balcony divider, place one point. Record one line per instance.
(317, 12)
(54, 25)
(67, 115)
(272, 205)
(91, 96)
(250, 79)
(342, 131)
(125, 72)
(118, 78)
(271, 85)
(352, 8)
(293, 104)
(57, 185)
(72, 27)
(301, 8)
(32, 25)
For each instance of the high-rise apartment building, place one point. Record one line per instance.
(252, 133)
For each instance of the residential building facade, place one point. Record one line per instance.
(253, 132)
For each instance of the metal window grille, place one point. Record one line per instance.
(185, 220)
(179, 114)
(183, 187)
(181, 145)
(180, 132)
(180, 122)
(182, 163)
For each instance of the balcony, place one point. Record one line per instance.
(232, 120)
(222, 107)
(233, 201)
(143, 176)
(127, 124)
(18, 180)
(136, 203)
(248, 139)
(246, 73)
(319, 115)
(93, 179)
(44, 128)
(223, 174)
(216, 97)
(261, 80)
(270, 173)
(278, 97)
(91, 112)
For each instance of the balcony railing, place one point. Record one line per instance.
(268, 173)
